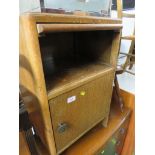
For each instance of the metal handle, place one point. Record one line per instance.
(62, 127)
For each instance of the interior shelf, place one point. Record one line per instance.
(71, 77)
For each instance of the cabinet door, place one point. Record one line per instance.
(77, 111)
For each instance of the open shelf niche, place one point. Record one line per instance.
(67, 67)
(71, 59)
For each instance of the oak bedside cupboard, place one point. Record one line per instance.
(67, 67)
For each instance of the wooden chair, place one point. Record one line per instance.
(130, 56)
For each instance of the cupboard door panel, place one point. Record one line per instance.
(75, 112)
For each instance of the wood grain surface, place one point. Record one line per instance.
(23, 147)
(32, 83)
(47, 28)
(83, 113)
(129, 145)
(76, 77)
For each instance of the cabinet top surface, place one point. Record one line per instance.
(50, 17)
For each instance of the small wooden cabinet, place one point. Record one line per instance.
(67, 67)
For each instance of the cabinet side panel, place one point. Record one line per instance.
(32, 84)
(115, 48)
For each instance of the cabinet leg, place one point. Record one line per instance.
(117, 93)
(105, 121)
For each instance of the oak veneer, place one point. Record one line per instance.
(82, 114)
(37, 92)
(75, 78)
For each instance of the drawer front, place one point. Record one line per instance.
(120, 136)
(115, 145)
(77, 111)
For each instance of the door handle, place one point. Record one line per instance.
(62, 127)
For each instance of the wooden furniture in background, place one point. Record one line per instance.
(68, 93)
(129, 144)
(122, 97)
(130, 56)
